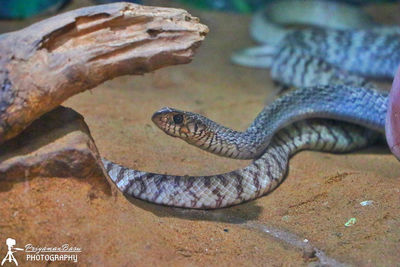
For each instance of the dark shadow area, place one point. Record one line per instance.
(379, 148)
(237, 214)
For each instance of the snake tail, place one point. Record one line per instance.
(256, 57)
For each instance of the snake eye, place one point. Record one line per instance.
(178, 118)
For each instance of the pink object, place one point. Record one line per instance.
(392, 125)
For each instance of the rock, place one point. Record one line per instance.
(309, 253)
(46, 63)
(58, 144)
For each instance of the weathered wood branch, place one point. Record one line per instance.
(47, 62)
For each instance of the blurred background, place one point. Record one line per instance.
(21, 9)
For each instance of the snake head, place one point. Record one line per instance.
(200, 131)
(185, 125)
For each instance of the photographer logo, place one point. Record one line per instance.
(63, 253)
(10, 242)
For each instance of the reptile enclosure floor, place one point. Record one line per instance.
(321, 193)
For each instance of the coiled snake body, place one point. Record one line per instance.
(327, 64)
(257, 179)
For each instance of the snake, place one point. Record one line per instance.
(334, 110)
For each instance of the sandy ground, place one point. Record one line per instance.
(320, 194)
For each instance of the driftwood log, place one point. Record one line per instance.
(47, 62)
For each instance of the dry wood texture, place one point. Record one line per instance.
(44, 64)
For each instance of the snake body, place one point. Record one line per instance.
(268, 24)
(266, 172)
(327, 64)
(257, 179)
(321, 56)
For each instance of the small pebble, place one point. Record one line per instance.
(309, 253)
(366, 203)
(338, 234)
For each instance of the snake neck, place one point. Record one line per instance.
(222, 140)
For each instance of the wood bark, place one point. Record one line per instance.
(44, 64)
